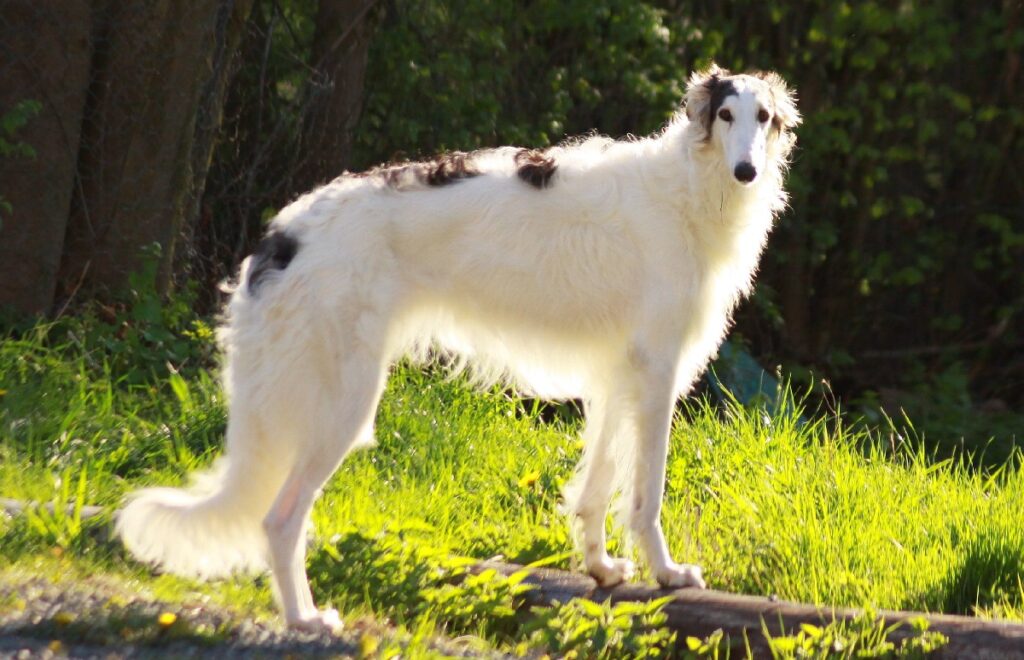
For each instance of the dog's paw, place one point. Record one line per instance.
(677, 576)
(611, 572)
(322, 621)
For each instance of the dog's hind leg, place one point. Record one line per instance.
(654, 401)
(591, 496)
(342, 422)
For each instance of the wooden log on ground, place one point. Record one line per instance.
(699, 613)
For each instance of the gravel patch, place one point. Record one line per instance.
(40, 619)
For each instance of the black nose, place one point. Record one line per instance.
(745, 172)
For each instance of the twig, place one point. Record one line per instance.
(18, 507)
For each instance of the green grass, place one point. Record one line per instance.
(768, 503)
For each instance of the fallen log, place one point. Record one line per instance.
(699, 613)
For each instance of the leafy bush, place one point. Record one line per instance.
(445, 75)
(582, 628)
(866, 636)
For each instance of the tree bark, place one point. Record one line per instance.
(231, 20)
(150, 63)
(341, 44)
(45, 49)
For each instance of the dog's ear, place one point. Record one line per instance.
(787, 117)
(699, 91)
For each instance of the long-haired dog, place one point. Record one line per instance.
(602, 270)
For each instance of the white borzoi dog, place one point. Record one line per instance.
(602, 270)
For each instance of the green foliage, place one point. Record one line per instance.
(139, 336)
(62, 526)
(940, 409)
(582, 628)
(11, 122)
(714, 646)
(449, 75)
(486, 603)
(866, 636)
(107, 394)
(403, 576)
(389, 572)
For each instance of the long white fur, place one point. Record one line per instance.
(615, 284)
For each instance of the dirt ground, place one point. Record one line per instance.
(42, 619)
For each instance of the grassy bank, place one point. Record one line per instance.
(767, 501)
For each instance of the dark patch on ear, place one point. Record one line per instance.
(535, 168)
(718, 90)
(449, 168)
(274, 252)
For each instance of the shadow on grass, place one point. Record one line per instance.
(988, 576)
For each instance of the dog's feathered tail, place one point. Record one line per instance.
(210, 529)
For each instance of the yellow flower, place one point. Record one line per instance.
(368, 645)
(529, 479)
(167, 619)
(63, 618)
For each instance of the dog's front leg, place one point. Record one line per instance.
(597, 480)
(654, 401)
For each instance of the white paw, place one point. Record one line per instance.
(610, 572)
(676, 576)
(318, 622)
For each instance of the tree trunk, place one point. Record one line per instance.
(151, 61)
(231, 21)
(344, 29)
(45, 49)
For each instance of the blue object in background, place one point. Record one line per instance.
(735, 374)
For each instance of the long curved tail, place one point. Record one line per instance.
(210, 529)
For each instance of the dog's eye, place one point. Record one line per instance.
(725, 115)
(763, 116)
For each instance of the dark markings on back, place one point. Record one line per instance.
(535, 168)
(442, 171)
(449, 168)
(274, 252)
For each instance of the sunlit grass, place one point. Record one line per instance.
(769, 502)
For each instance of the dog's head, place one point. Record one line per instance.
(748, 117)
